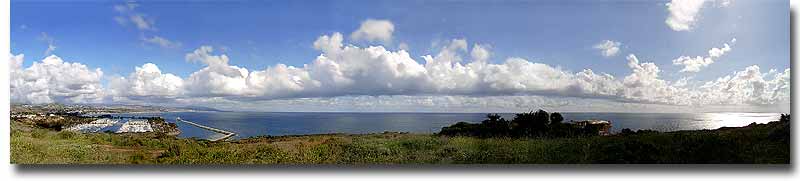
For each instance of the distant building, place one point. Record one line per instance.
(602, 126)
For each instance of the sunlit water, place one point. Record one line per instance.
(247, 124)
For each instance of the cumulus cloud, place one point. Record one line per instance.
(54, 80)
(683, 14)
(694, 64)
(608, 48)
(217, 78)
(348, 70)
(147, 81)
(403, 46)
(644, 85)
(161, 42)
(480, 52)
(749, 86)
(458, 71)
(374, 30)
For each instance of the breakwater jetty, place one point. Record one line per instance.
(227, 134)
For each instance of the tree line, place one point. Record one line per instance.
(531, 124)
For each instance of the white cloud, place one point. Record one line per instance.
(403, 46)
(457, 73)
(695, 64)
(141, 22)
(644, 85)
(748, 86)
(457, 44)
(162, 42)
(217, 78)
(354, 70)
(329, 44)
(146, 25)
(480, 53)
(147, 81)
(374, 30)
(608, 48)
(692, 64)
(53, 80)
(347, 70)
(683, 14)
(128, 6)
(725, 3)
(50, 43)
(127, 13)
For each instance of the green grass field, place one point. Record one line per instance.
(762, 143)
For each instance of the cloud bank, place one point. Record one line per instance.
(343, 70)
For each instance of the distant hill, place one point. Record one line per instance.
(55, 107)
(201, 108)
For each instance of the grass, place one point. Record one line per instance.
(762, 143)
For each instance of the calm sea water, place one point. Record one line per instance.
(247, 124)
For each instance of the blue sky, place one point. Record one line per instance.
(260, 34)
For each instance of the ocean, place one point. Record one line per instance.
(248, 124)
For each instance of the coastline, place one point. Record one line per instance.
(31, 145)
(424, 128)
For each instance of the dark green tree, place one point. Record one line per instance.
(495, 126)
(530, 124)
(556, 118)
(541, 121)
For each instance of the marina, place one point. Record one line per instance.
(94, 126)
(135, 126)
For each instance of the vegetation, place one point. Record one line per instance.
(756, 143)
(539, 124)
(163, 127)
(58, 122)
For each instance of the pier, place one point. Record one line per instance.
(227, 134)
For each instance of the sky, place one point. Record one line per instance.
(406, 56)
